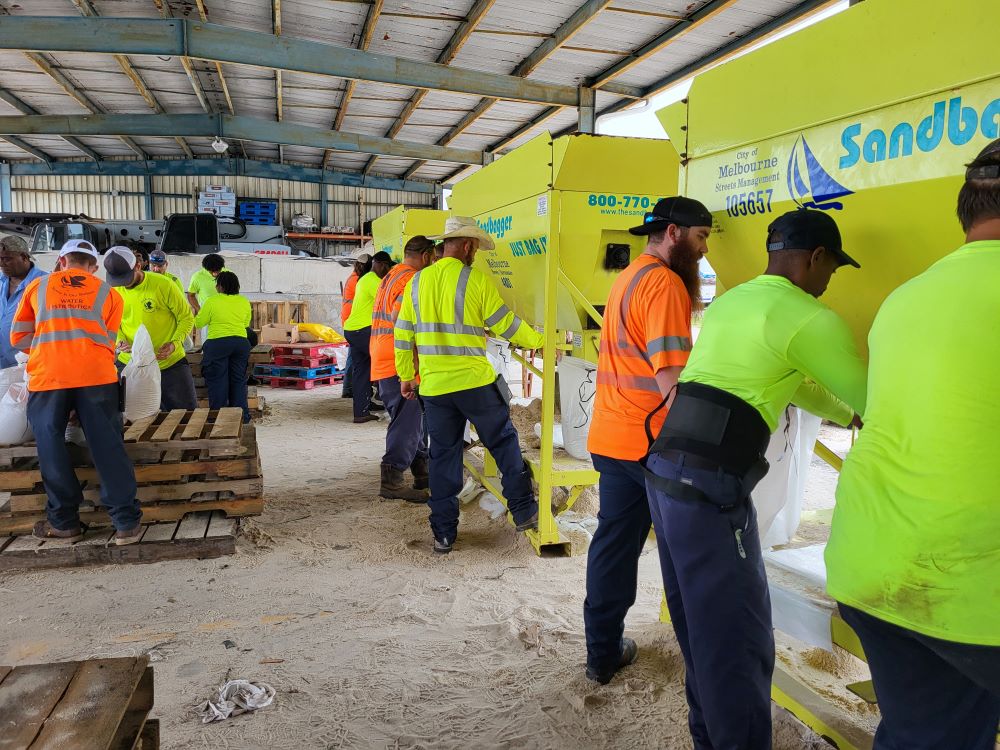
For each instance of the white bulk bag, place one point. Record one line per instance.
(142, 379)
(577, 388)
(14, 427)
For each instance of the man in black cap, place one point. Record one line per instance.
(763, 345)
(358, 331)
(645, 342)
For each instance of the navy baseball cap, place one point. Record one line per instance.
(157, 256)
(684, 212)
(806, 229)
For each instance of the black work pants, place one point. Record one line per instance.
(361, 369)
(224, 365)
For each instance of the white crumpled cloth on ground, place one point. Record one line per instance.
(237, 697)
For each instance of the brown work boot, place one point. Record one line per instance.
(394, 487)
(45, 530)
(128, 536)
(421, 474)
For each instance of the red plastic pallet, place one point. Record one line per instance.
(303, 384)
(289, 360)
(301, 349)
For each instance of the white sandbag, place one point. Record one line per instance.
(577, 388)
(341, 353)
(142, 379)
(14, 427)
(11, 375)
(778, 497)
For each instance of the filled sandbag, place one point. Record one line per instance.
(142, 379)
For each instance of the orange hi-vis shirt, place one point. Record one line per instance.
(388, 301)
(345, 309)
(68, 323)
(647, 328)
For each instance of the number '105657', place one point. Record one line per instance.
(744, 204)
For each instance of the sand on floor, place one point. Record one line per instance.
(335, 599)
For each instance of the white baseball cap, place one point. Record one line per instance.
(79, 246)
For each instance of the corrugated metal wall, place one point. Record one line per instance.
(92, 196)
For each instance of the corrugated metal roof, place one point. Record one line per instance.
(508, 33)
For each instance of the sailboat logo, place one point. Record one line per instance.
(809, 184)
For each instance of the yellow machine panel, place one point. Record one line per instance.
(878, 139)
(391, 231)
(572, 198)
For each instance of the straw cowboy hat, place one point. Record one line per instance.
(463, 226)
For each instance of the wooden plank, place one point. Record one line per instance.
(242, 467)
(95, 538)
(245, 506)
(135, 432)
(166, 429)
(4, 542)
(151, 493)
(150, 737)
(129, 731)
(195, 424)
(27, 697)
(220, 525)
(93, 705)
(138, 554)
(194, 526)
(26, 543)
(227, 424)
(4, 671)
(160, 532)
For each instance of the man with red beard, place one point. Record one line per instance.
(763, 344)
(644, 345)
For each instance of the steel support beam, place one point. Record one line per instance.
(26, 109)
(449, 53)
(27, 148)
(214, 168)
(177, 37)
(588, 115)
(230, 127)
(367, 31)
(563, 34)
(324, 206)
(147, 196)
(6, 196)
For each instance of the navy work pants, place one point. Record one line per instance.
(361, 369)
(96, 407)
(933, 694)
(489, 413)
(177, 387)
(406, 438)
(348, 389)
(224, 365)
(716, 587)
(613, 558)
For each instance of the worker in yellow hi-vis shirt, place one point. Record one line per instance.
(764, 344)
(441, 331)
(153, 300)
(914, 551)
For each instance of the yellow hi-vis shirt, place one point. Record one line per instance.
(226, 315)
(446, 310)
(159, 305)
(916, 530)
(364, 302)
(771, 344)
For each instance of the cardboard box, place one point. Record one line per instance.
(279, 333)
(209, 195)
(225, 203)
(218, 188)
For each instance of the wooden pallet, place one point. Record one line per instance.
(277, 312)
(98, 704)
(184, 462)
(201, 535)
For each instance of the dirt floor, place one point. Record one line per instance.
(335, 599)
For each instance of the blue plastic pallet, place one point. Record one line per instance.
(255, 212)
(258, 208)
(305, 373)
(259, 220)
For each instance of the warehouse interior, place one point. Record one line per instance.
(300, 139)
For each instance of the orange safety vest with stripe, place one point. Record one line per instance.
(68, 323)
(388, 301)
(349, 286)
(647, 328)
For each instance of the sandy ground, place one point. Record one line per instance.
(335, 599)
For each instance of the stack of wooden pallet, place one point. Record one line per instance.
(185, 461)
(302, 366)
(260, 354)
(96, 704)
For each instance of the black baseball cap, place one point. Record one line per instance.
(382, 257)
(806, 229)
(684, 212)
